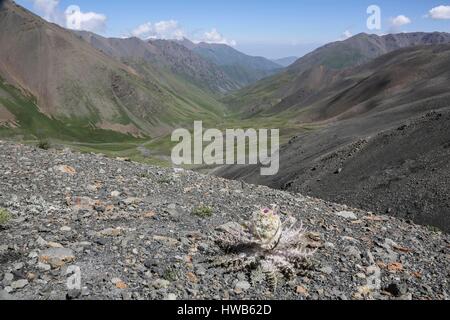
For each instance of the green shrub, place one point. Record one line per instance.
(165, 181)
(170, 274)
(5, 216)
(44, 145)
(203, 212)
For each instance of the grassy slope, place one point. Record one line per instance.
(32, 124)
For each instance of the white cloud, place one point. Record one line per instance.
(214, 36)
(72, 17)
(440, 13)
(400, 20)
(169, 29)
(89, 21)
(347, 34)
(47, 8)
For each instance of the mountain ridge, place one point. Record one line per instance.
(241, 67)
(327, 60)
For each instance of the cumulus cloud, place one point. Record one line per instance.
(47, 8)
(347, 34)
(400, 20)
(89, 21)
(440, 13)
(215, 36)
(172, 30)
(169, 29)
(72, 17)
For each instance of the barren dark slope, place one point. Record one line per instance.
(403, 171)
(360, 157)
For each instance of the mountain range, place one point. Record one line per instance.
(242, 68)
(80, 81)
(316, 70)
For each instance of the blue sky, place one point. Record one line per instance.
(258, 27)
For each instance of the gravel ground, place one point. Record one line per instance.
(131, 231)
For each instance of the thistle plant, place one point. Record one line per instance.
(267, 245)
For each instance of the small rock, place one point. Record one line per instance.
(200, 270)
(31, 276)
(8, 278)
(192, 277)
(131, 200)
(242, 286)
(347, 215)
(73, 294)
(166, 240)
(327, 270)
(41, 242)
(121, 285)
(101, 241)
(5, 296)
(161, 284)
(148, 263)
(82, 203)
(19, 284)
(18, 266)
(115, 194)
(57, 257)
(65, 169)
(54, 245)
(397, 290)
(171, 297)
(99, 208)
(395, 266)
(302, 291)
(203, 247)
(43, 266)
(329, 245)
(111, 232)
(92, 188)
(353, 251)
(65, 229)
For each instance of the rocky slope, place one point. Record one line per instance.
(132, 231)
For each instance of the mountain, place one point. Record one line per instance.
(242, 68)
(77, 88)
(285, 62)
(165, 55)
(295, 83)
(378, 138)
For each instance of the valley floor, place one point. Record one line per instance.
(130, 230)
